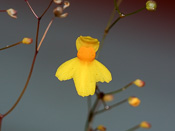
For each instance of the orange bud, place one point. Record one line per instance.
(101, 128)
(108, 98)
(139, 83)
(27, 41)
(145, 124)
(134, 101)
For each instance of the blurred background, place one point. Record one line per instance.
(138, 46)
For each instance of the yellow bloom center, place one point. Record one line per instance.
(86, 53)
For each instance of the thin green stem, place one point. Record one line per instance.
(89, 120)
(108, 29)
(119, 90)
(101, 45)
(137, 11)
(119, 2)
(10, 46)
(110, 107)
(134, 128)
(24, 89)
(117, 7)
(111, 18)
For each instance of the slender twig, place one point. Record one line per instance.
(37, 33)
(25, 87)
(117, 7)
(111, 18)
(134, 128)
(31, 9)
(45, 33)
(119, 2)
(46, 9)
(110, 107)
(3, 10)
(107, 30)
(109, 25)
(89, 120)
(121, 89)
(137, 11)
(8, 46)
(32, 66)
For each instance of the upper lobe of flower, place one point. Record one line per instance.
(87, 41)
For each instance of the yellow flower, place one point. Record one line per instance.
(84, 69)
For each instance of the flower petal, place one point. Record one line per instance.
(84, 79)
(67, 69)
(101, 73)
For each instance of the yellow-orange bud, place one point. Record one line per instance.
(27, 41)
(145, 124)
(108, 98)
(134, 101)
(101, 128)
(139, 83)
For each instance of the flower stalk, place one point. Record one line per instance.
(8, 46)
(110, 107)
(121, 89)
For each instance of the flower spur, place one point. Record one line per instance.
(84, 69)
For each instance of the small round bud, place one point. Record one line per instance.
(11, 12)
(101, 128)
(151, 5)
(108, 98)
(66, 4)
(58, 11)
(27, 41)
(139, 83)
(134, 101)
(145, 124)
(58, 2)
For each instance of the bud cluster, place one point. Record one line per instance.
(58, 11)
